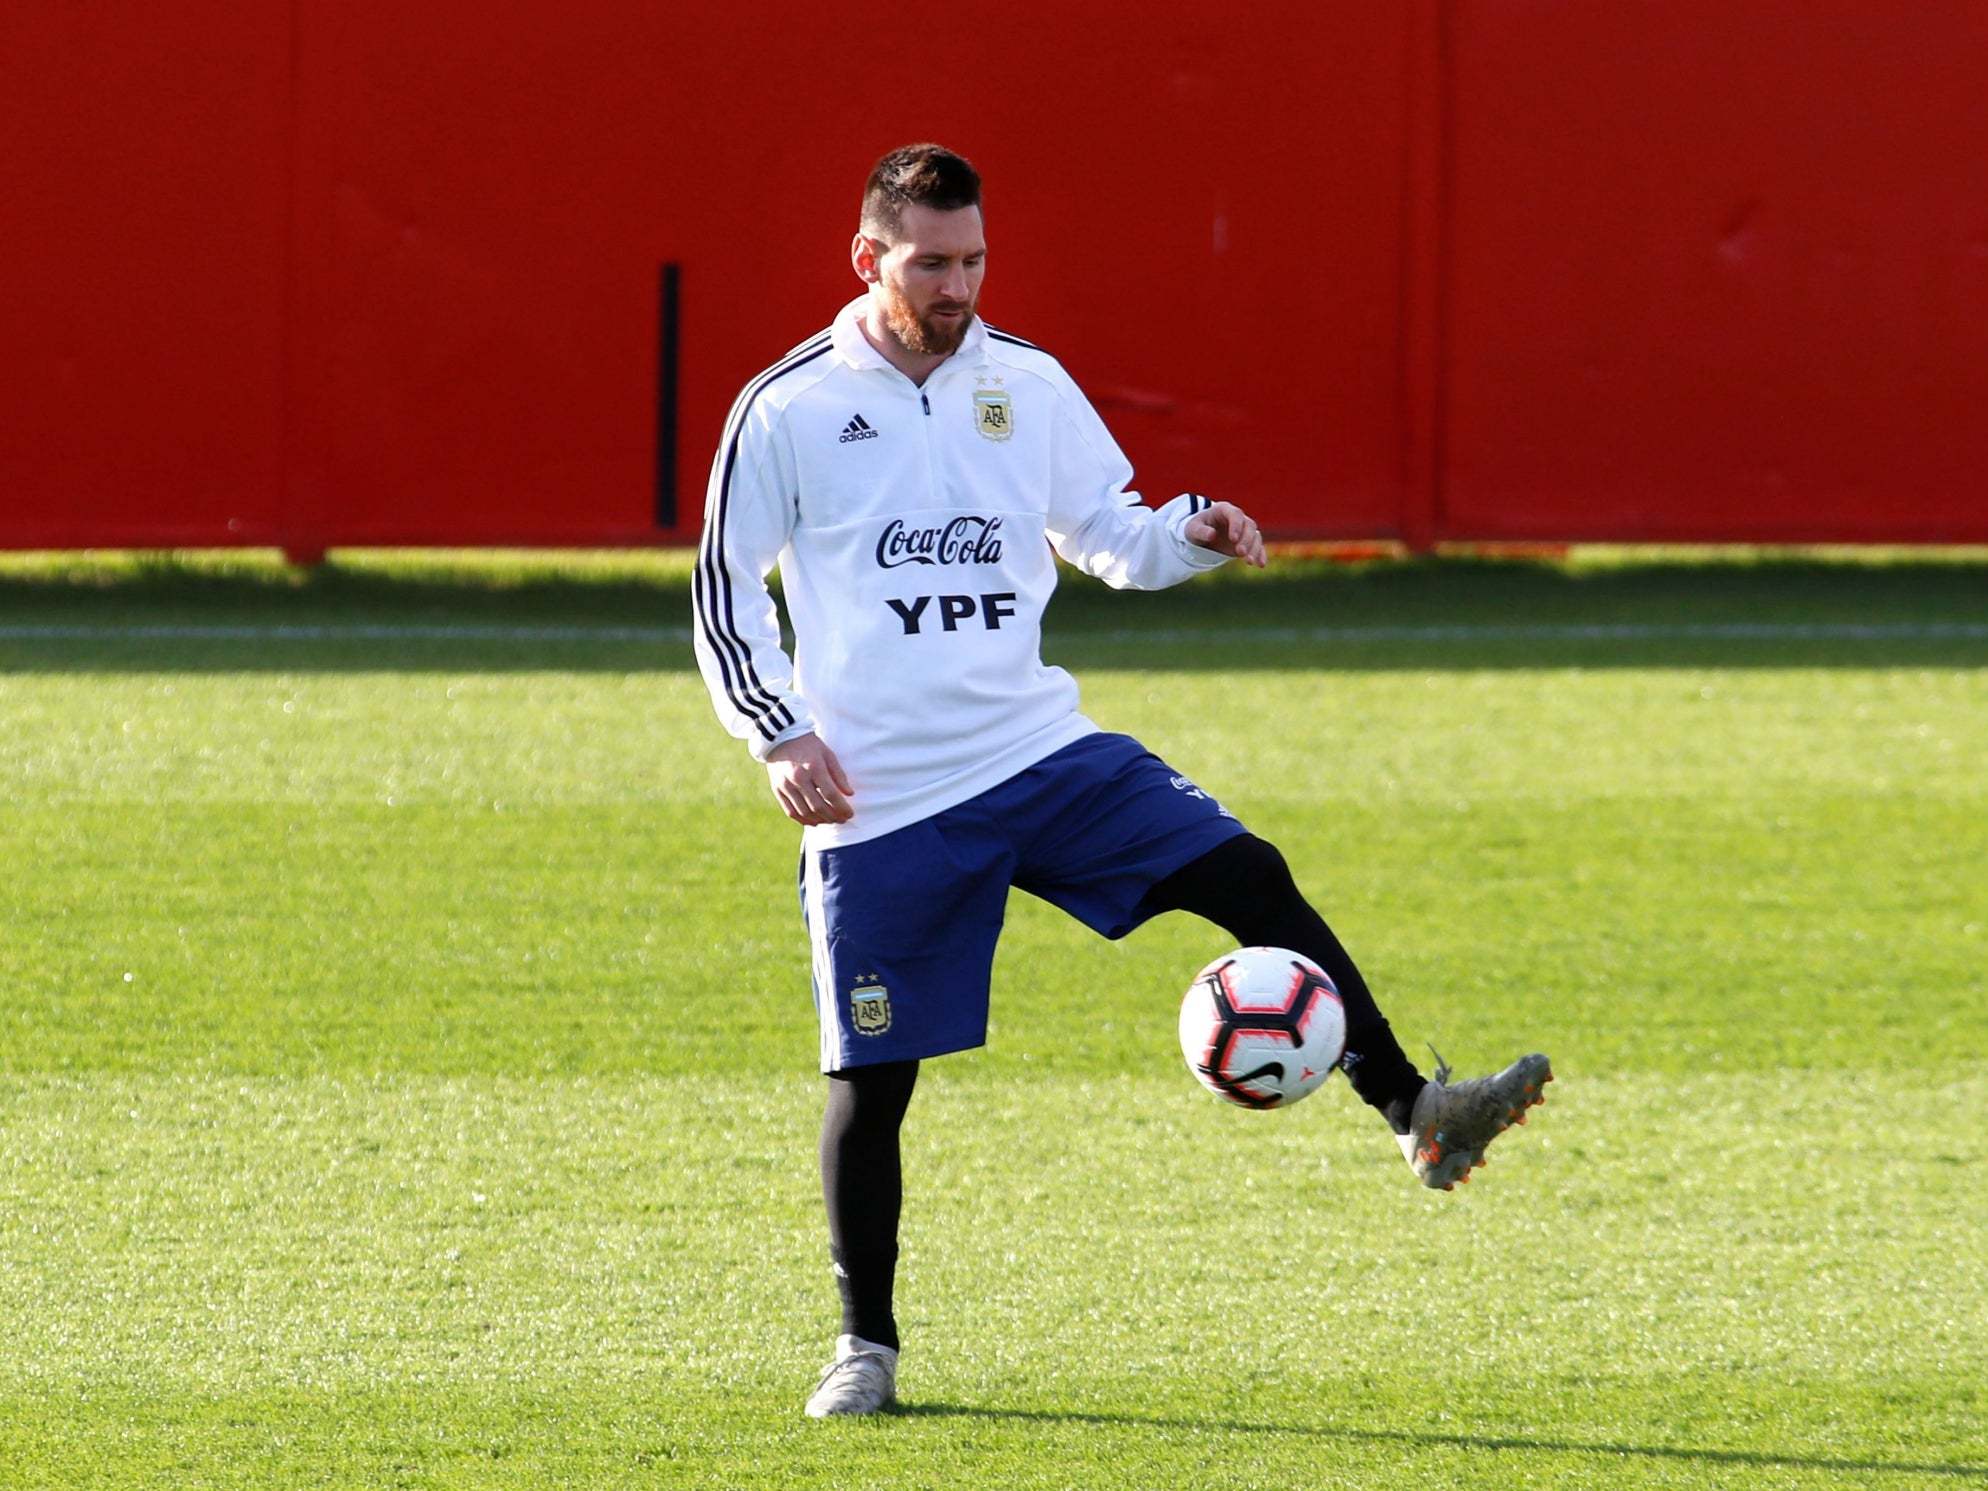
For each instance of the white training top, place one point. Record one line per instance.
(913, 529)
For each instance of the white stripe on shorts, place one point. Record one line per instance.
(824, 970)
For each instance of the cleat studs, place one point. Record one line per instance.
(1449, 1185)
(1520, 1119)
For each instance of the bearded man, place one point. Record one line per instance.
(911, 469)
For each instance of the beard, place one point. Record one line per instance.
(922, 334)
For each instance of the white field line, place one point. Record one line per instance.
(416, 631)
(1747, 631)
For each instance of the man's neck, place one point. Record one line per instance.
(917, 366)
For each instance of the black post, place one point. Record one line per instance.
(666, 395)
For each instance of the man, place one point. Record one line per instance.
(910, 469)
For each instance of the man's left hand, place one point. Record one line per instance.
(1227, 529)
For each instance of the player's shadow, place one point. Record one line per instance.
(1764, 1459)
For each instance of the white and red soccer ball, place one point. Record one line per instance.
(1262, 1027)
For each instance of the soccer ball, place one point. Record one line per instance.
(1262, 1026)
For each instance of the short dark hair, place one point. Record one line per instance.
(916, 176)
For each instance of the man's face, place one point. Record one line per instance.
(928, 280)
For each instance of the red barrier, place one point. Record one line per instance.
(143, 273)
(358, 272)
(1718, 271)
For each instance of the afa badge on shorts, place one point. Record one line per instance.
(993, 413)
(869, 1006)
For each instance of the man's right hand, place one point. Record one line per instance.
(809, 782)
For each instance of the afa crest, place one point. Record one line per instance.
(869, 1006)
(993, 413)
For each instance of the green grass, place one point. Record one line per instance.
(405, 1065)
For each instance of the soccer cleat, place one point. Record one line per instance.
(861, 1379)
(1450, 1126)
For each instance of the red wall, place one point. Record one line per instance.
(145, 176)
(357, 272)
(1718, 269)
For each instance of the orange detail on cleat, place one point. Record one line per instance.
(1451, 1186)
(1520, 1119)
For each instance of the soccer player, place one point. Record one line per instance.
(910, 469)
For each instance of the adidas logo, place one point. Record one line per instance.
(857, 429)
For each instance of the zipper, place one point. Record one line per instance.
(931, 456)
(933, 497)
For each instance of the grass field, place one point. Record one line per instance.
(406, 1053)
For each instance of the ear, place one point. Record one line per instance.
(863, 258)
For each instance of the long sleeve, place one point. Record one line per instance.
(1103, 528)
(748, 517)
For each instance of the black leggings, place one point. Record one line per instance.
(1244, 887)
(863, 1183)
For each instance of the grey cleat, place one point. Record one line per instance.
(861, 1379)
(1450, 1126)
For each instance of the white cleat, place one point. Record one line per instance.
(861, 1379)
(1450, 1127)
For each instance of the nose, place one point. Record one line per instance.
(955, 286)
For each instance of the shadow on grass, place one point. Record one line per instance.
(1761, 1458)
(633, 614)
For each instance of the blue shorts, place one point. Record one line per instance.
(903, 926)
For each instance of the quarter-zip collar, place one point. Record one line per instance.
(846, 336)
